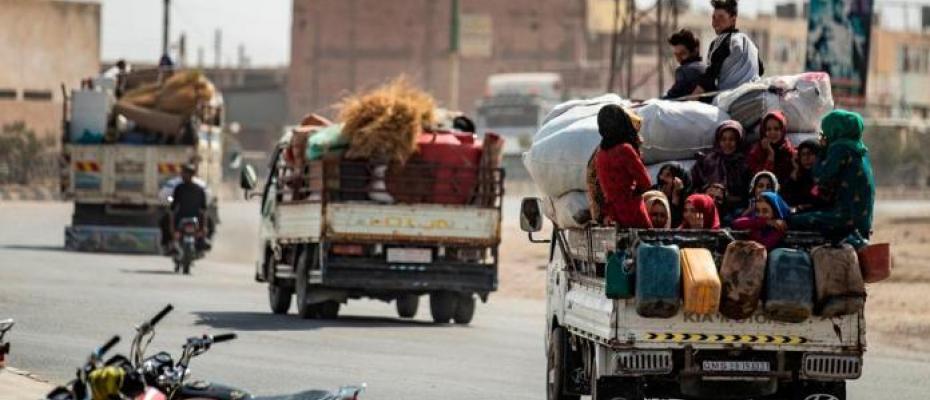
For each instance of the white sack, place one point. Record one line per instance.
(571, 210)
(572, 111)
(558, 164)
(804, 98)
(675, 130)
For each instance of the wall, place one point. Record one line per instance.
(350, 45)
(42, 45)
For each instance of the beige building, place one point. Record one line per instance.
(44, 44)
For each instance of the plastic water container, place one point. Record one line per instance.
(658, 281)
(89, 110)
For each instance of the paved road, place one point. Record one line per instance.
(65, 303)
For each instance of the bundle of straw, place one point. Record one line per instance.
(383, 124)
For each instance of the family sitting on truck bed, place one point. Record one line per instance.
(764, 187)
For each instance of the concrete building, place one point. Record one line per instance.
(256, 99)
(44, 44)
(343, 46)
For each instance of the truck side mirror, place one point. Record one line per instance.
(531, 215)
(247, 178)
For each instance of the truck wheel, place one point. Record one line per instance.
(442, 306)
(329, 309)
(407, 305)
(279, 297)
(304, 309)
(464, 309)
(555, 367)
(809, 390)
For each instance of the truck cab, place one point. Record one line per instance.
(324, 242)
(602, 347)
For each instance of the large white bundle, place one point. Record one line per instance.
(570, 210)
(804, 98)
(572, 111)
(558, 163)
(675, 130)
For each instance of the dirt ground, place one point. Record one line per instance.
(897, 310)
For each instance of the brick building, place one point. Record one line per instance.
(350, 45)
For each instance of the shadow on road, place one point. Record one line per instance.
(258, 321)
(166, 271)
(35, 247)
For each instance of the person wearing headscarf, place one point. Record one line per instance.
(725, 165)
(659, 212)
(847, 171)
(700, 213)
(799, 190)
(773, 152)
(675, 182)
(767, 224)
(761, 182)
(620, 171)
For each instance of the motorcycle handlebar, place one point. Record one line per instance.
(223, 337)
(161, 314)
(107, 346)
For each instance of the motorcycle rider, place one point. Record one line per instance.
(189, 200)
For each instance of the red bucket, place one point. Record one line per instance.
(875, 262)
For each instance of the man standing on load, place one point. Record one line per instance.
(734, 58)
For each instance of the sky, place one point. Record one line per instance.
(132, 28)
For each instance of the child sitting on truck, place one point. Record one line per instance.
(620, 170)
(700, 213)
(675, 183)
(773, 152)
(767, 224)
(762, 182)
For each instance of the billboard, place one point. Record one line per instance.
(838, 43)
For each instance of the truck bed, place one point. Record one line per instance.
(615, 323)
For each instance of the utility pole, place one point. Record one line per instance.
(165, 29)
(631, 46)
(454, 57)
(614, 37)
(660, 37)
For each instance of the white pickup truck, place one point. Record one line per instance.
(324, 241)
(601, 347)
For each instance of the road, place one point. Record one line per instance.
(66, 303)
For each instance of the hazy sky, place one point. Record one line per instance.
(132, 28)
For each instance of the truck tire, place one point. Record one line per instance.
(328, 309)
(464, 309)
(279, 297)
(555, 367)
(302, 284)
(810, 390)
(442, 306)
(407, 305)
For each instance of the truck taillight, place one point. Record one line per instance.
(348, 250)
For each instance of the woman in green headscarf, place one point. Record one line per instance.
(844, 170)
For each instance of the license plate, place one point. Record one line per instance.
(736, 366)
(417, 256)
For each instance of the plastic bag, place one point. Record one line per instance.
(558, 164)
(804, 98)
(676, 130)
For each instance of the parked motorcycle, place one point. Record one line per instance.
(160, 377)
(188, 244)
(5, 326)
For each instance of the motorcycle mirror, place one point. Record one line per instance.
(247, 178)
(531, 215)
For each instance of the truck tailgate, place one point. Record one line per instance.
(123, 173)
(717, 331)
(426, 223)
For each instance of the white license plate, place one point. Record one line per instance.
(736, 366)
(417, 256)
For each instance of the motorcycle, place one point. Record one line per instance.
(159, 377)
(187, 244)
(5, 326)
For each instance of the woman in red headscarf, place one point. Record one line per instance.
(774, 152)
(700, 213)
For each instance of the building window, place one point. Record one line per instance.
(37, 95)
(8, 94)
(913, 60)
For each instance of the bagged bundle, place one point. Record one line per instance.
(803, 98)
(326, 140)
(568, 211)
(569, 112)
(675, 130)
(384, 124)
(183, 91)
